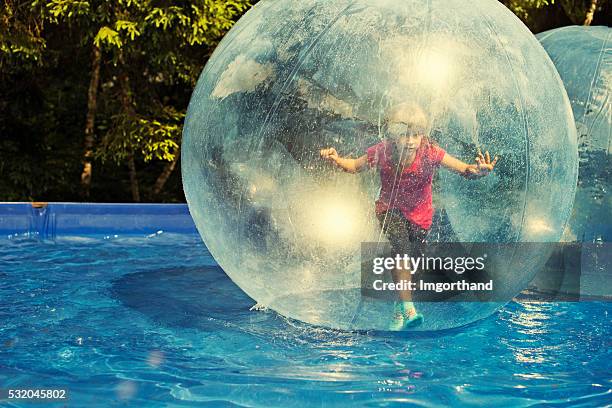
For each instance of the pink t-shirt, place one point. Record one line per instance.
(412, 194)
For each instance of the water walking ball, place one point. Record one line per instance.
(294, 77)
(583, 57)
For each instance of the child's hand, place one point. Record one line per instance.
(483, 165)
(329, 154)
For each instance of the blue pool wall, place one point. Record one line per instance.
(60, 218)
(56, 219)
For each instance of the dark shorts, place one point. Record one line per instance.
(404, 236)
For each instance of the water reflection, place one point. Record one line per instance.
(532, 323)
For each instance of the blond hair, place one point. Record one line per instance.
(407, 112)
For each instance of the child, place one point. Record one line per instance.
(407, 161)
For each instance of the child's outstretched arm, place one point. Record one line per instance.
(346, 164)
(483, 165)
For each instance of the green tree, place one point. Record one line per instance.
(21, 41)
(34, 101)
(150, 48)
(584, 12)
(541, 15)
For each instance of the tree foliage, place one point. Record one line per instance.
(578, 11)
(152, 54)
(541, 15)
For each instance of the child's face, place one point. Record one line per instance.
(405, 136)
(406, 127)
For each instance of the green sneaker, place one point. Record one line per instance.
(414, 320)
(411, 316)
(404, 316)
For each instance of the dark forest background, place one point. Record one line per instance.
(93, 93)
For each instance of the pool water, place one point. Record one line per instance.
(153, 321)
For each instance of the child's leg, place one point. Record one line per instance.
(400, 275)
(415, 241)
(405, 238)
(395, 228)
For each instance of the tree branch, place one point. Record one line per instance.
(590, 13)
(165, 174)
(92, 103)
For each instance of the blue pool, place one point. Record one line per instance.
(150, 320)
